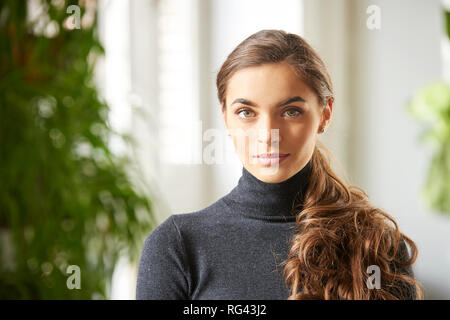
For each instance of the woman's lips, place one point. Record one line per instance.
(271, 159)
(272, 155)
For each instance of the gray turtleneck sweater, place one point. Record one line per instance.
(229, 250)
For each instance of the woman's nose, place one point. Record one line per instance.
(268, 132)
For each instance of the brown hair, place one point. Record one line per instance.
(340, 233)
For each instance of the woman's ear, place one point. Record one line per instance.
(327, 111)
(330, 105)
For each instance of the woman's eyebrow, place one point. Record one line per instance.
(283, 103)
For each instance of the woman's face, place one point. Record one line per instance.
(271, 110)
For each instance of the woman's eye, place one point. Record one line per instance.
(295, 112)
(243, 111)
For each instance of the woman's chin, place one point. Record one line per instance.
(270, 174)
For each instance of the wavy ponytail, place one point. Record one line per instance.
(341, 236)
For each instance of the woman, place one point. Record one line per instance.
(291, 228)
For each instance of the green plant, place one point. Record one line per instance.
(65, 198)
(432, 105)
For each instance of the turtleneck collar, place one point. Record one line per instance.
(270, 201)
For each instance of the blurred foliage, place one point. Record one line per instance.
(432, 105)
(65, 198)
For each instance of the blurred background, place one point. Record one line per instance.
(109, 120)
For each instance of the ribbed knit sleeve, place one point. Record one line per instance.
(162, 274)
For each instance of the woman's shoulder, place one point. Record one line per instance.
(211, 215)
(190, 222)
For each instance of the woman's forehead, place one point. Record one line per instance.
(266, 85)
